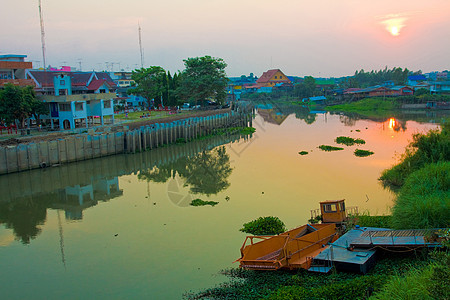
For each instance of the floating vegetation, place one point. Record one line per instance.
(363, 153)
(303, 152)
(200, 202)
(348, 141)
(357, 130)
(264, 226)
(330, 148)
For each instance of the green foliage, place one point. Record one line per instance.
(348, 141)
(315, 220)
(362, 153)
(303, 152)
(200, 202)
(329, 148)
(356, 288)
(425, 148)
(366, 105)
(264, 226)
(306, 88)
(150, 83)
(19, 103)
(424, 200)
(366, 220)
(204, 78)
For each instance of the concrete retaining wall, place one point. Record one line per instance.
(93, 145)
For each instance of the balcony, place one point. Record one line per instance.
(81, 97)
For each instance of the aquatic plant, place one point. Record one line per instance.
(200, 202)
(329, 148)
(362, 153)
(348, 141)
(264, 226)
(303, 152)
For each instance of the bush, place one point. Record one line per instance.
(329, 148)
(424, 200)
(264, 226)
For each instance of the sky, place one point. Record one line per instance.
(320, 38)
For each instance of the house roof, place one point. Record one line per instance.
(417, 78)
(96, 84)
(266, 76)
(78, 79)
(399, 87)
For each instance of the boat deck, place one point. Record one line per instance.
(394, 238)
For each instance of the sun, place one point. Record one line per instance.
(394, 30)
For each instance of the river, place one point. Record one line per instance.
(121, 227)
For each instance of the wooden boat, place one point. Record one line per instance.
(296, 248)
(292, 249)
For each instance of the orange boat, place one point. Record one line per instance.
(295, 248)
(292, 249)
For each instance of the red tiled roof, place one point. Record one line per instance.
(266, 76)
(96, 84)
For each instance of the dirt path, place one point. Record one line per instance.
(132, 125)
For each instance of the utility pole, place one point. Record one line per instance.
(140, 46)
(42, 34)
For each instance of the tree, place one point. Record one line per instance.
(306, 88)
(37, 107)
(150, 83)
(16, 103)
(204, 78)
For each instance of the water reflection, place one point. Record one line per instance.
(276, 113)
(76, 187)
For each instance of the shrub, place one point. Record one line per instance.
(303, 152)
(264, 226)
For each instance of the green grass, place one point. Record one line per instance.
(366, 105)
(329, 148)
(348, 141)
(424, 149)
(200, 202)
(362, 153)
(303, 152)
(366, 220)
(424, 200)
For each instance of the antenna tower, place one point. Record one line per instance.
(42, 34)
(140, 46)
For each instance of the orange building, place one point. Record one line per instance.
(271, 78)
(12, 70)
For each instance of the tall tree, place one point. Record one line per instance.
(150, 83)
(204, 78)
(16, 103)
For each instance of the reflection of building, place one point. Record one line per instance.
(74, 199)
(271, 116)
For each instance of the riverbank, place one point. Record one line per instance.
(139, 136)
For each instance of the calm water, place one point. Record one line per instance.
(121, 227)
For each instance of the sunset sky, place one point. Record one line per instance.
(321, 38)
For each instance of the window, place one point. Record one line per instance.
(329, 208)
(62, 92)
(107, 104)
(102, 91)
(62, 82)
(78, 106)
(64, 107)
(275, 77)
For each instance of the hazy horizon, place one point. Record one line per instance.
(323, 39)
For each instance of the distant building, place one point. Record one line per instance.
(272, 78)
(12, 70)
(440, 87)
(75, 99)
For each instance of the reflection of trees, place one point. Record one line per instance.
(206, 173)
(303, 113)
(24, 217)
(348, 120)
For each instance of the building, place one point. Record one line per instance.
(76, 99)
(12, 70)
(440, 87)
(271, 78)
